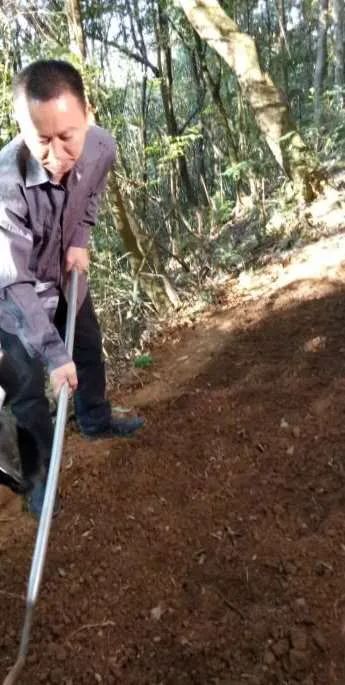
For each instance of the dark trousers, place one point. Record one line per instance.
(30, 405)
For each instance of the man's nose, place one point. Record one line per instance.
(55, 150)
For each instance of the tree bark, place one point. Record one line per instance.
(307, 54)
(339, 30)
(145, 262)
(164, 60)
(77, 43)
(269, 105)
(283, 45)
(321, 60)
(214, 89)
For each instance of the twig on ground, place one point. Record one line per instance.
(12, 595)
(229, 604)
(90, 626)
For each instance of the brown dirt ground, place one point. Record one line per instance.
(210, 549)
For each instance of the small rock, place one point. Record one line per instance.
(315, 344)
(290, 568)
(323, 568)
(56, 676)
(298, 639)
(284, 424)
(319, 639)
(278, 509)
(290, 451)
(55, 630)
(301, 603)
(275, 632)
(184, 642)
(61, 654)
(269, 658)
(299, 661)
(280, 648)
(157, 612)
(296, 431)
(308, 681)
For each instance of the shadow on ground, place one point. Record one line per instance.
(210, 549)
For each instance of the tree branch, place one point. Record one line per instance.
(196, 111)
(126, 51)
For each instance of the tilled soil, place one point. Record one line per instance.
(209, 549)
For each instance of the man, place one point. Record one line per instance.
(51, 178)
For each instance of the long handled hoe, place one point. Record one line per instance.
(39, 555)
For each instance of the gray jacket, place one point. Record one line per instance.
(39, 220)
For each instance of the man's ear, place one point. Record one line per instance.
(20, 107)
(90, 113)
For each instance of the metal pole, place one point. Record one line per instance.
(39, 555)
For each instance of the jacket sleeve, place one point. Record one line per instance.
(21, 311)
(81, 233)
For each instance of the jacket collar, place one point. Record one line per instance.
(36, 174)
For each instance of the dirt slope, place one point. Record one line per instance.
(209, 550)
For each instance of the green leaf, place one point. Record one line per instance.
(143, 361)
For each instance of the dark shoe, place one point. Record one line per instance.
(34, 501)
(119, 428)
(11, 474)
(14, 482)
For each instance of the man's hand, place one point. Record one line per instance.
(77, 258)
(64, 374)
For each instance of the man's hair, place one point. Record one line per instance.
(47, 79)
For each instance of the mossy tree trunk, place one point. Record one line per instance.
(144, 259)
(268, 103)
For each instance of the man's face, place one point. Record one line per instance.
(54, 131)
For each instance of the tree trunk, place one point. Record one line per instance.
(164, 60)
(199, 159)
(283, 45)
(214, 89)
(321, 60)
(269, 105)
(339, 29)
(77, 43)
(141, 248)
(144, 136)
(307, 54)
(145, 262)
(269, 31)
